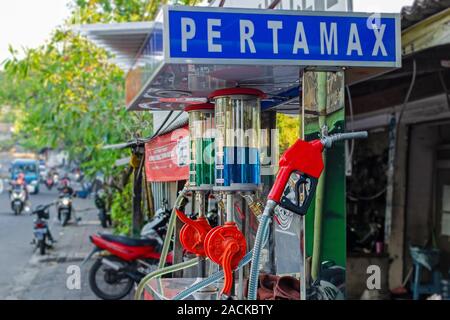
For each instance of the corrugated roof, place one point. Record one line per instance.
(420, 10)
(123, 40)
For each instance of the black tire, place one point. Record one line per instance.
(42, 246)
(64, 218)
(95, 269)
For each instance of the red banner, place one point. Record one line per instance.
(167, 157)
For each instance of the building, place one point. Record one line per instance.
(401, 176)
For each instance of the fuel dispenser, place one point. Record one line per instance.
(201, 179)
(237, 169)
(225, 245)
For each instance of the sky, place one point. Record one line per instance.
(28, 23)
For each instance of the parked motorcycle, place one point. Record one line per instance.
(103, 214)
(42, 236)
(124, 261)
(64, 208)
(18, 199)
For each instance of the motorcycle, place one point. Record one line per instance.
(42, 236)
(103, 213)
(49, 183)
(55, 178)
(64, 208)
(124, 261)
(18, 199)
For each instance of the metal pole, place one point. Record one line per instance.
(318, 214)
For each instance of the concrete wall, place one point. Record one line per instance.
(423, 141)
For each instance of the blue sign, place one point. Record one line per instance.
(278, 37)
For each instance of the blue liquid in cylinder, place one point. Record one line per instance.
(241, 165)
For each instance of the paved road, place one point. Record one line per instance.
(15, 237)
(24, 274)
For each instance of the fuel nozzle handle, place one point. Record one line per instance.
(328, 141)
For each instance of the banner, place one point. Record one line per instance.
(167, 157)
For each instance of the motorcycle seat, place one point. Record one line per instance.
(132, 242)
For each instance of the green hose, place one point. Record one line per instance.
(165, 251)
(318, 214)
(170, 229)
(160, 273)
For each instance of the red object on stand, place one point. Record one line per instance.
(193, 233)
(226, 246)
(167, 157)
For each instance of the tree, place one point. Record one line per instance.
(289, 130)
(68, 93)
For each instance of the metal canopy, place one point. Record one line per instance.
(123, 40)
(155, 83)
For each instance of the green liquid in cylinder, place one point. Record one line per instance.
(202, 163)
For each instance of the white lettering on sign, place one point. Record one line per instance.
(328, 39)
(328, 33)
(213, 34)
(353, 41)
(300, 41)
(379, 45)
(247, 30)
(275, 26)
(187, 23)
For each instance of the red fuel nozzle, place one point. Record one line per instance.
(304, 157)
(193, 233)
(226, 246)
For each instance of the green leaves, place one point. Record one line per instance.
(67, 95)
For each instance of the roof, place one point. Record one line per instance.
(179, 121)
(420, 10)
(24, 161)
(123, 40)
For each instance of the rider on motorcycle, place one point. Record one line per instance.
(65, 187)
(20, 181)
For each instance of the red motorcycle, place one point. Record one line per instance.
(124, 261)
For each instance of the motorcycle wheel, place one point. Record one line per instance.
(100, 275)
(42, 246)
(64, 218)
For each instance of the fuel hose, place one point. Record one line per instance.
(170, 229)
(160, 272)
(165, 251)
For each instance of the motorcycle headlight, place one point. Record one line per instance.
(65, 202)
(22, 196)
